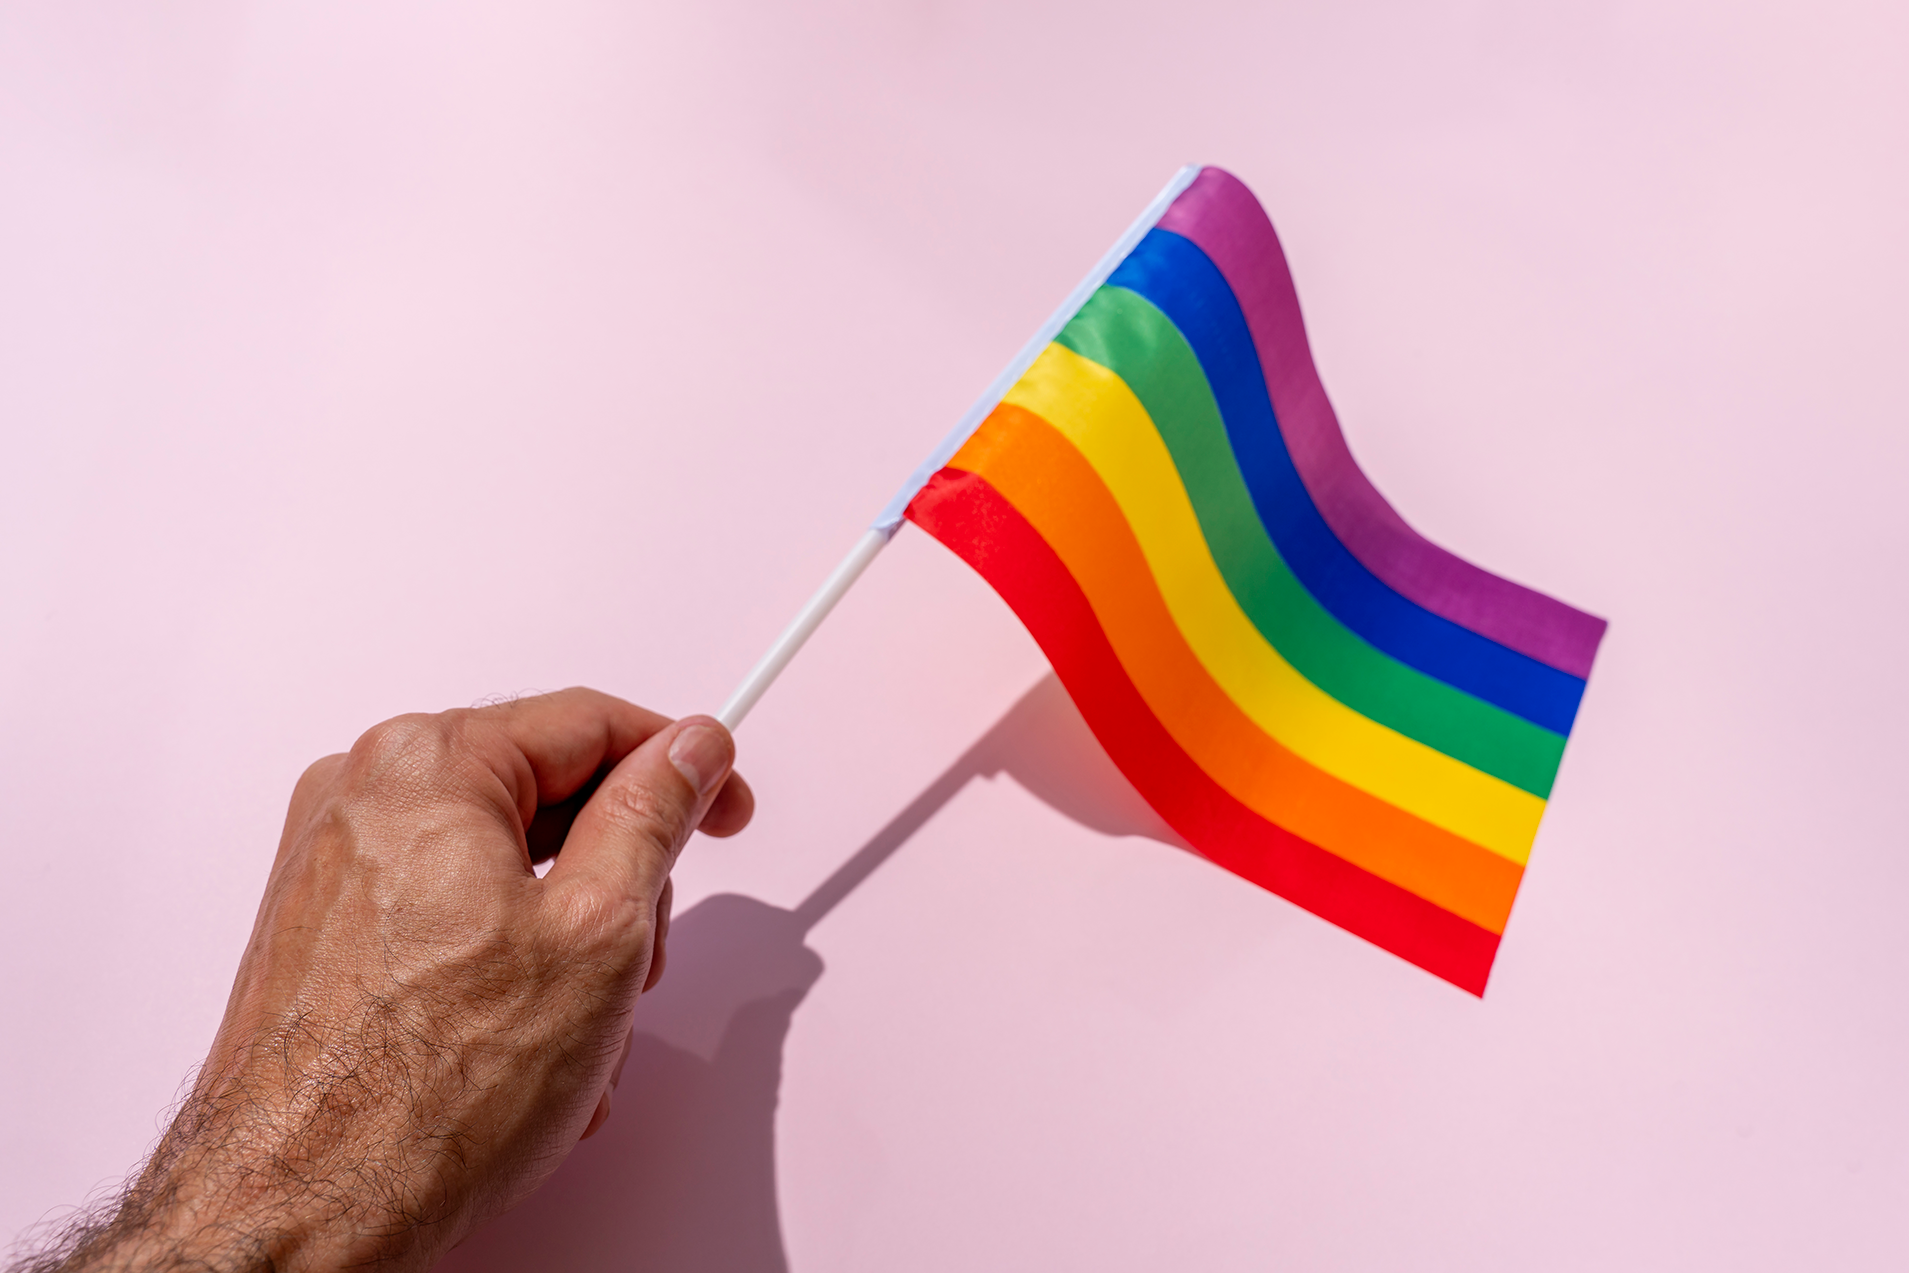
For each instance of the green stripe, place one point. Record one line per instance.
(1125, 333)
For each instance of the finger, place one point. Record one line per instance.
(312, 786)
(598, 1116)
(729, 813)
(547, 747)
(551, 827)
(616, 1075)
(601, 1114)
(659, 953)
(628, 835)
(731, 810)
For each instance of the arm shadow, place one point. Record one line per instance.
(682, 1177)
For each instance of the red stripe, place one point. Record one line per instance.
(973, 519)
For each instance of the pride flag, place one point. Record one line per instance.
(1310, 693)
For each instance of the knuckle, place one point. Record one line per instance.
(642, 815)
(617, 930)
(397, 738)
(404, 747)
(628, 925)
(318, 774)
(310, 791)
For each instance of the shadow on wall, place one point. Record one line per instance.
(682, 1177)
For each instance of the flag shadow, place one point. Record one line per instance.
(682, 1177)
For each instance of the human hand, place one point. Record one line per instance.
(421, 1028)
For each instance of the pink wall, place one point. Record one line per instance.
(365, 357)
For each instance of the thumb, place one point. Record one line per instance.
(627, 836)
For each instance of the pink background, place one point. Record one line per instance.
(358, 358)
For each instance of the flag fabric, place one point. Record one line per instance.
(1311, 694)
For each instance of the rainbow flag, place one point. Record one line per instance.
(1310, 693)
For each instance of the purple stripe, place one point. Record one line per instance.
(1220, 214)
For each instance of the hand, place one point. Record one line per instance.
(421, 1028)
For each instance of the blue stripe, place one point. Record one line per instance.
(1173, 273)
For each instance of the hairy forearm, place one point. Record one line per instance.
(154, 1226)
(328, 1172)
(182, 1212)
(359, 1136)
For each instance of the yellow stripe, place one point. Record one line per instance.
(1096, 411)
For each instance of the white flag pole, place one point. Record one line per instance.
(889, 520)
(793, 637)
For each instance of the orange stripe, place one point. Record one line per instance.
(1057, 491)
(978, 524)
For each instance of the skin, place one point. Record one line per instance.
(421, 1028)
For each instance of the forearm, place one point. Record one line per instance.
(246, 1180)
(176, 1216)
(157, 1225)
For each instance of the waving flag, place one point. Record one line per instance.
(1310, 693)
